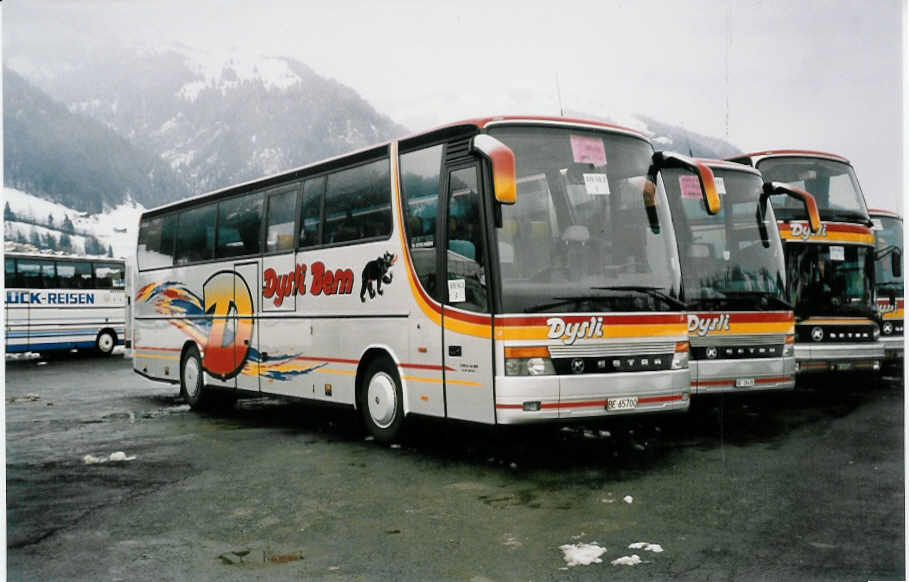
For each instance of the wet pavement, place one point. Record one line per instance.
(806, 485)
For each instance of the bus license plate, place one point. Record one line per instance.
(744, 382)
(627, 403)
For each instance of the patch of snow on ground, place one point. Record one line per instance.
(117, 457)
(582, 554)
(647, 547)
(632, 560)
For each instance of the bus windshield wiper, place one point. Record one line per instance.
(560, 301)
(764, 297)
(652, 291)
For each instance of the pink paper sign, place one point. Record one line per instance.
(588, 150)
(691, 187)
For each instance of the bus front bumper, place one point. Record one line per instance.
(893, 348)
(745, 375)
(528, 399)
(820, 357)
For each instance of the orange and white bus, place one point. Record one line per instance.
(741, 327)
(830, 273)
(888, 281)
(500, 270)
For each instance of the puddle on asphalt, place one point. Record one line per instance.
(259, 557)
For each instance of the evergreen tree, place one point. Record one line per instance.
(68, 225)
(8, 213)
(50, 220)
(110, 250)
(50, 242)
(35, 238)
(66, 244)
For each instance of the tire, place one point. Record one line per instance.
(106, 342)
(192, 388)
(381, 401)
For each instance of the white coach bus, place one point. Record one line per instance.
(499, 270)
(56, 303)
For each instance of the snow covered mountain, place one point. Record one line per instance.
(217, 121)
(33, 223)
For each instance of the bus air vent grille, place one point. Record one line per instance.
(612, 350)
(457, 150)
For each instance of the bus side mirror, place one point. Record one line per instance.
(780, 188)
(896, 263)
(504, 178)
(705, 176)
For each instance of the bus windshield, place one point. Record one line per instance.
(833, 185)
(579, 238)
(888, 236)
(734, 258)
(830, 279)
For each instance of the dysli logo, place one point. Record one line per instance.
(571, 332)
(803, 231)
(227, 299)
(704, 325)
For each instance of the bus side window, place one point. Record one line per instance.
(109, 276)
(196, 235)
(420, 183)
(37, 273)
(156, 242)
(311, 212)
(279, 233)
(358, 203)
(239, 221)
(74, 274)
(12, 278)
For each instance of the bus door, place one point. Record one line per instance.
(466, 319)
(246, 299)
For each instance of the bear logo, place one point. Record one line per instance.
(377, 271)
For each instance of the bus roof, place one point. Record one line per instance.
(755, 157)
(39, 255)
(885, 213)
(370, 151)
(727, 165)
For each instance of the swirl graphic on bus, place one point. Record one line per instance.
(226, 298)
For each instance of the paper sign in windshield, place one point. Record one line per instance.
(720, 185)
(596, 184)
(691, 187)
(457, 291)
(877, 224)
(588, 150)
(837, 254)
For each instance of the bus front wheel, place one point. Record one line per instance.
(381, 401)
(105, 342)
(191, 386)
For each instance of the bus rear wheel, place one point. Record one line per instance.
(105, 342)
(381, 401)
(192, 388)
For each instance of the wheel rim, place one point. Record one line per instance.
(381, 399)
(105, 342)
(191, 376)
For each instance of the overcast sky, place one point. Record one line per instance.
(762, 74)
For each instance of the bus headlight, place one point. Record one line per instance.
(528, 361)
(680, 357)
(789, 346)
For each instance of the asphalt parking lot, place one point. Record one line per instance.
(800, 486)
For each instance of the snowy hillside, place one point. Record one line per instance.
(35, 217)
